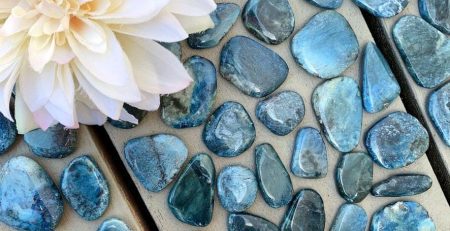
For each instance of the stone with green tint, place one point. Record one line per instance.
(350, 217)
(402, 185)
(248, 222)
(305, 213)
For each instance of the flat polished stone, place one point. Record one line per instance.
(437, 13)
(253, 68)
(309, 158)
(338, 107)
(350, 217)
(55, 142)
(306, 212)
(429, 63)
(8, 134)
(397, 140)
(402, 185)
(175, 48)
(281, 113)
(326, 46)
(439, 111)
(156, 159)
(271, 21)
(248, 222)
(382, 8)
(113, 224)
(229, 131)
(137, 113)
(327, 4)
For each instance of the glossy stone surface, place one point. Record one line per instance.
(380, 88)
(326, 46)
(382, 8)
(248, 222)
(113, 224)
(350, 217)
(338, 108)
(253, 68)
(271, 21)
(136, 112)
(229, 131)
(156, 159)
(327, 4)
(55, 142)
(309, 158)
(397, 140)
(402, 185)
(175, 48)
(273, 179)
(223, 17)
(191, 198)
(8, 133)
(429, 63)
(306, 212)
(437, 13)
(236, 188)
(28, 197)
(85, 188)
(402, 215)
(439, 111)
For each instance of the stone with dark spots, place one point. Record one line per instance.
(248, 222)
(113, 224)
(439, 111)
(382, 8)
(306, 212)
(350, 217)
(136, 112)
(437, 13)
(8, 134)
(55, 142)
(402, 185)
(309, 158)
(327, 4)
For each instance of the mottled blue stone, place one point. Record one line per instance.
(113, 224)
(137, 113)
(380, 88)
(402, 185)
(437, 13)
(338, 106)
(306, 212)
(309, 158)
(327, 4)
(350, 217)
(192, 106)
(248, 222)
(223, 17)
(439, 111)
(402, 215)
(55, 142)
(326, 46)
(28, 197)
(429, 62)
(230, 130)
(253, 68)
(236, 188)
(175, 48)
(382, 8)
(156, 159)
(273, 178)
(8, 134)
(271, 21)
(85, 188)
(397, 140)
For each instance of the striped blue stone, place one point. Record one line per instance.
(113, 224)
(8, 133)
(350, 217)
(327, 4)
(309, 158)
(249, 222)
(439, 111)
(306, 212)
(382, 8)
(402, 185)
(55, 142)
(437, 13)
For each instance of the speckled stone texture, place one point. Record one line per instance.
(137, 113)
(439, 111)
(306, 212)
(248, 222)
(350, 217)
(402, 185)
(309, 157)
(327, 4)
(113, 224)
(437, 13)
(382, 8)
(8, 134)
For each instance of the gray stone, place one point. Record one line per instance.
(8, 134)
(113, 224)
(248, 222)
(437, 13)
(350, 217)
(327, 4)
(439, 111)
(402, 185)
(309, 158)
(137, 113)
(306, 213)
(55, 142)
(382, 8)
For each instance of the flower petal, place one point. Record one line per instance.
(37, 87)
(125, 116)
(150, 102)
(21, 18)
(87, 113)
(195, 24)
(6, 87)
(40, 51)
(63, 54)
(191, 7)
(24, 117)
(43, 119)
(89, 34)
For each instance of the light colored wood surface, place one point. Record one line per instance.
(303, 83)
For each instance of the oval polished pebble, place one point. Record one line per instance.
(338, 108)
(85, 188)
(439, 111)
(326, 46)
(156, 159)
(236, 188)
(309, 158)
(350, 217)
(327, 4)
(135, 112)
(402, 185)
(248, 222)
(437, 13)
(8, 133)
(253, 68)
(397, 140)
(55, 142)
(29, 199)
(306, 212)
(382, 8)
(113, 224)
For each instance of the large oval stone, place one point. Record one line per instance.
(326, 46)
(135, 112)
(327, 4)
(253, 68)
(309, 158)
(338, 107)
(156, 159)
(248, 222)
(402, 185)
(382, 8)
(8, 133)
(397, 140)
(439, 111)
(28, 197)
(113, 224)
(350, 217)
(306, 212)
(55, 142)
(437, 13)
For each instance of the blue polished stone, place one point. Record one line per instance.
(326, 46)
(338, 107)
(230, 130)
(175, 48)
(8, 133)
(350, 217)
(113, 224)
(28, 197)
(236, 188)
(402, 185)
(306, 212)
(380, 88)
(248, 222)
(439, 111)
(382, 8)
(137, 113)
(397, 140)
(309, 158)
(327, 4)
(437, 13)
(192, 106)
(429, 63)
(156, 159)
(55, 142)
(223, 17)
(402, 215)
(85, 188)
(253, 68)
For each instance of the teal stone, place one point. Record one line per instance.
(113, 224)
(439, 111)
(437, 13)
(273, 179)
(350, 217)
(326, 45)
(380, 88)
(155, 160)
(8, 134)
(306, 212)
(338, 107)
(55, 142)
(175, 48)
(137, 113)
(402, 185)
(248, 222)
(191, 198)
(309, 158)
(192, 106)
(382, 8)
(327, 4)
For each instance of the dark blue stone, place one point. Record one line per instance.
(382, 8)
(191, 198)
(192, 106)
(137, 113)
(402, 215)
(271, 21)
(85, 188)
(55, 142)
(229, 131)
(326, 46)
(306, 212)
(439, 111)
(397, 140)
(282, 112)
(8, 133)
(350, 217)
(380, 88)
(429, 63)
(175, 48)
(248, 222)
(156, 159)
(402, 185)
(236, 188)
(273, 179)
(28, 197)
(223, 17)
(437, 13)
(338, 107)
(309, 158)
(253, 68)
(113, 224)
(327, 4)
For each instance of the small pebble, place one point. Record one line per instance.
(439, 111)
(350, 217)
(327, 4)
(113, 224)
(309, 158)
(382, 8)
(437, 13)
(137, 113)
(55, 142)
(248, 222)
(306, 212)
(402, 185)
(8, 134)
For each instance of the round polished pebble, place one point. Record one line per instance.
(8, 133)
(248, 222)
(113, 224)
(55, 142)
(402, 185)
(306, 212)
(437, 13)
(350, 217)
(382, 8)
(135, 112)
(327, 4)
(439, 111)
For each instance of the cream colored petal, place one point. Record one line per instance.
(40, 51)
(11, 47)
(195, 24)
(43, 119)
(24, 118)
(125, 116)
(150, 102)
(191, 7)
(6, 87)
(89, 34)
(99, 7)
(21, 18)
(89, 116)
(63, 54)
